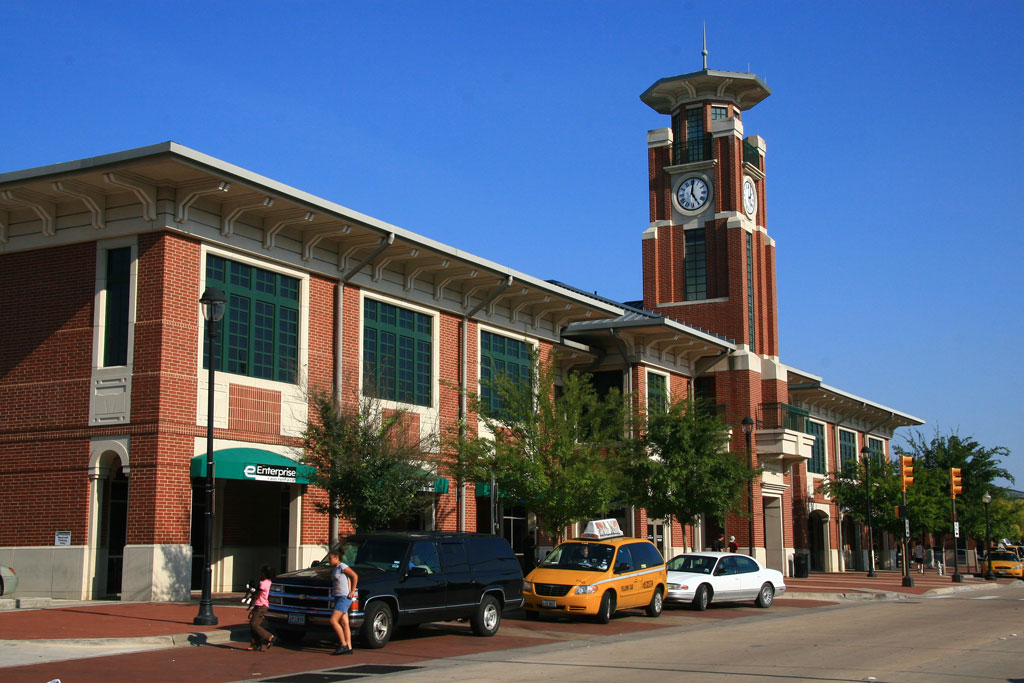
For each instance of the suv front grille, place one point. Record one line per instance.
(551, 590)
(301, 597)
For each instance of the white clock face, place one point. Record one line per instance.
(692, 193)
(749, 196)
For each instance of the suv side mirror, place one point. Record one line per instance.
(316, 563)
(417, 571)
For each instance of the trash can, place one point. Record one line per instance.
(800, 565)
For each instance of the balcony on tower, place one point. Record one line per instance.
(782, 435)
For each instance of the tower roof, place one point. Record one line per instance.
(741, 89)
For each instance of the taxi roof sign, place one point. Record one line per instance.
(599, 529)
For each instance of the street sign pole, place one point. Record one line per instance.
(957, 576)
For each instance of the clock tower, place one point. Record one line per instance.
(708, 260)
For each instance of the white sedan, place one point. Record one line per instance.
(702, 578)
(8, 580)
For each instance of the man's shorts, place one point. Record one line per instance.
(342, 604)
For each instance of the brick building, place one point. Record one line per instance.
(103, 389)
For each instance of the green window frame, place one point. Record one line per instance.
(817, 462)
(397, 353)
(877, 447)
(719, 113)
(695, 265)
(657, 392)
(260, 330)
(750, 290)
(116, 305)
(847, 447)
(501, 355)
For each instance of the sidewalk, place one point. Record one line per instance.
(102, 627)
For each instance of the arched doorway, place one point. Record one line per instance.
(817, 540)
(108, 516)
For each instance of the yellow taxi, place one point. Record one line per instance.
(596, 574)
(1005, 563)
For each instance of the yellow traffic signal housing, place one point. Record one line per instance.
(955, 481)
(907, 470)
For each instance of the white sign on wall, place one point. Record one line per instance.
(62, 538)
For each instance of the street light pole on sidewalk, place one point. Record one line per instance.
(989, 576)
(866, 452)
(212, 302)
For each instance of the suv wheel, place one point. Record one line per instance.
(657, 604)
(378, 625)
(607, 609)
(487, 618)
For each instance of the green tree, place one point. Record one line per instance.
(681, 466)
(367, 459)
(553, 448)
(848, 487)
(930, 505)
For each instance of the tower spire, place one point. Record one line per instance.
(704, 52)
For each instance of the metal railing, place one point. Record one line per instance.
(751, 154)
(781, 416)
(686, 151)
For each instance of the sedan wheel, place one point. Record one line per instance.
(701, 598)
(765, 595)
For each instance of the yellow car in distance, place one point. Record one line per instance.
(1005, 563)
(597, 574)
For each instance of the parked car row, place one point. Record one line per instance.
(411, 578)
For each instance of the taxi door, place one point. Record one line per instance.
(625, 581)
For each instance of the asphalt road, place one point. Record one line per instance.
(977, 636)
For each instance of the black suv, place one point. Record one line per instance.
(405, 578)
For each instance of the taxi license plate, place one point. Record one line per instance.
(548, 604)
(297, 619)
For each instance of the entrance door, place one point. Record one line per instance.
(656, 535)
(774, 555)
(115, 520)
(816, 533)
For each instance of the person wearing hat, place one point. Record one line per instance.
(732, 544)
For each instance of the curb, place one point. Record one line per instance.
(175, 640)
(868, 595)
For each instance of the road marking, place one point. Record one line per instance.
(986, 597)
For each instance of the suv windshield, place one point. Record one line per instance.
(695, 564)
(383, 555)
(595, 557)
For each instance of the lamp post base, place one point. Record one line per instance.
(872, 574)
(990, 577)
(206, 617)
(908, 582)
(958, 577)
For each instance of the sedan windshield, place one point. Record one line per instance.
(695, 564)
(594, 557)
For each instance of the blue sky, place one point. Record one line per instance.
(514, 130)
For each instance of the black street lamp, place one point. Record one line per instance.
(866, 452)
(748, 427)
(989, 576)
(212, 303)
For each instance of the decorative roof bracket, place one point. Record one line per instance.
(143, 191)
(276, 222)
(310, 238)
(95, 200)
(43, 207)
(186, 195)
(232, 210)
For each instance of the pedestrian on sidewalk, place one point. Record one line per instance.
(919, 557)
(718, 545)
(344, 580)
(732, 544)
(260, 637)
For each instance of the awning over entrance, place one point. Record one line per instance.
(252, 464)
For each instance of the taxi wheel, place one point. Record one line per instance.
(657, 604)
(701, 598)
(607, 609)
(765, 595)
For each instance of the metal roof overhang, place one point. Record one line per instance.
(657, 335)
(364, 245)
(826, 398)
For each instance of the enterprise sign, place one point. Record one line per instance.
(271, 473)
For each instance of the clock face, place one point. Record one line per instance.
(749, 196)
(692, 193)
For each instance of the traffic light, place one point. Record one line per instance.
(907, 470)
(955, 482)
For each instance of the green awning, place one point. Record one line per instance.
(252, 464)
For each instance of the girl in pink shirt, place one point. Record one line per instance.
(260, 635)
